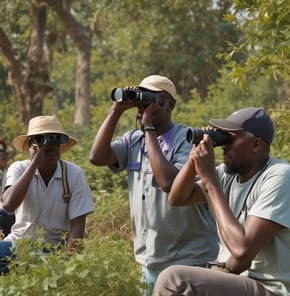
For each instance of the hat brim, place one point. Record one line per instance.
(21, 143)
(225, 125)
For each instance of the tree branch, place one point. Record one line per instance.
(13, 64)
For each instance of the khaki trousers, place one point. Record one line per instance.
(182, 280)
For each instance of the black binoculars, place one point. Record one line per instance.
(195, 135)
(138, 96)
(41, 139)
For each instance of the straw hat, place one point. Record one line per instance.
(42, 125)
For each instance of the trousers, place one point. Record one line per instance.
(6, 221)
(182, 280)
(5, 251)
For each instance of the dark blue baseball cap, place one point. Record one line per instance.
(253, 120)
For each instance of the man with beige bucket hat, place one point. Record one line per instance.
(44, 191)
(153, 155)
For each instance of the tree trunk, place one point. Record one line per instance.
(29, 80)
(82, 99)
(81, 37)
(39, 63)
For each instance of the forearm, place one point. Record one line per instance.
(100, 153)
(76, 234)
(231, 231)
(184, 190)
(14, 195)
(74, 245)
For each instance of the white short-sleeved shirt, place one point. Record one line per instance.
(44, 207)
(267, 196)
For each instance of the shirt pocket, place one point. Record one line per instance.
(134, 166)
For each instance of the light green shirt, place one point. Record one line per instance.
(268, 198)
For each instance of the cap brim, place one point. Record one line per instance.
(225, 125)
(150, 87)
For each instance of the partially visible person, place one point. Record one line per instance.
(34, 190)
(6, 219)
(163, 235)
(249, 195)
(5, 150)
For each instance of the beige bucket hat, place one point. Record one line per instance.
(42, 125)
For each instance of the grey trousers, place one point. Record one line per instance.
(180, 280)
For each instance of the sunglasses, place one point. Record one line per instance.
(42, 139)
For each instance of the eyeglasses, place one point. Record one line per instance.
(49, 138)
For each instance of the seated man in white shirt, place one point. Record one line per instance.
(34, 190)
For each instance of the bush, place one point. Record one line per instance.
(105, 267)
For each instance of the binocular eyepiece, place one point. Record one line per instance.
(42, 139)
(138, 96)
(195, 135)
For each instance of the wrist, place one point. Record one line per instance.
(210, 185)
(148, 128)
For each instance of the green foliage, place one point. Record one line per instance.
(10, 126)
(101, 269)
(265, 41)
(15, 23)
(63, 80)
(106, 265)
(281, 116)
(173, 38)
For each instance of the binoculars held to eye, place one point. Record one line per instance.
(138, 96)
(41, 139)
(195, 135)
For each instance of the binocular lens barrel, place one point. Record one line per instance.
(117, 95)
(195, 135)
(137, 96)
(123, 95)
(49, 138)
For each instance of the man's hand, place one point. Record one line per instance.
(151, 111)
(204, 158)
(37, 153)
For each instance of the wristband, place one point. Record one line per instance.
(149, 128)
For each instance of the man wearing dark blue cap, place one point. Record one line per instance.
(249, 195)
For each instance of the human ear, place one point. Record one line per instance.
(171, 104)
(258, 144)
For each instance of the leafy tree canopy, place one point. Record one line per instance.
(265, 40)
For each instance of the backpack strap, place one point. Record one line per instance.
(66, 193)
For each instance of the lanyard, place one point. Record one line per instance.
(244, 207)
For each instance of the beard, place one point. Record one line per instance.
(230, 169)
